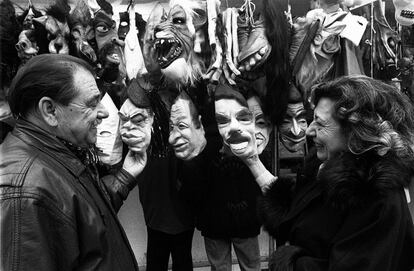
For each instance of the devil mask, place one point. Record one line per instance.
(110, 48)
(186, 131)
(81, 30)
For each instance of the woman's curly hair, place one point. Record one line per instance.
(373, 115)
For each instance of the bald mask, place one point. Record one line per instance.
(186, 131)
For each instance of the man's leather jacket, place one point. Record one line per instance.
(55, 213)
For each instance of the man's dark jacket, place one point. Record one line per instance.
(56, 214)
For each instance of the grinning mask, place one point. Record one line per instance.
(263, 126)
(186, 130)
(173, 36)
(235, 121)
(292, 130)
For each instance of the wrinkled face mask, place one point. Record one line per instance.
(263, 127)
(236, 126)
(135, 128)
(293, 128)
(186, 134)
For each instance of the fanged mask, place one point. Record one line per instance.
(174, 35)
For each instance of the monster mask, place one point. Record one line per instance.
(27, 46)
(81, 31)
(173, 36)
(55, 23)
(110, 47)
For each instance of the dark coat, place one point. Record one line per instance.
(353, 216)
(55, 213)
(223, 194)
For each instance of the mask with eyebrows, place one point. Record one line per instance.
(263, 126)
(293, 128)
(173, 35)
(186, 130)
(110, 47)
(81, 31)
(137, 119)
(235, 122)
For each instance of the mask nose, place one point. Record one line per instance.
(295, 127)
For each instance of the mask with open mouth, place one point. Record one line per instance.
(235, 122)
(110, 47)
(173, 40)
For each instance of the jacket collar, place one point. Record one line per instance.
(350, 181)
(49, 144)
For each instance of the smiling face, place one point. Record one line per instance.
(293, 128)
(263, 127)
(135, 126)
(186, 134)
(326, 131)
(78, 121)
(236, 126)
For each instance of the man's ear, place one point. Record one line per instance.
(47, 110)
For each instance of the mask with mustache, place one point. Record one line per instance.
(293, 128)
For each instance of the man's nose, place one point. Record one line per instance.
(310, 131)
(102, 112)
(295, 127)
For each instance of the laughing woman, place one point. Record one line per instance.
(348, 211)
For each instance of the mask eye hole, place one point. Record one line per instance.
(179, 20)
